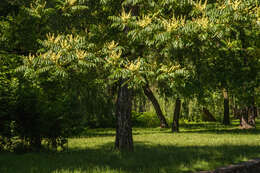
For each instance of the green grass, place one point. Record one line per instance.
(204, 146)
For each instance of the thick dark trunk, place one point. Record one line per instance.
(148, 92)
(175, 124)
(207, 116)
(124, 139)
(226, 119)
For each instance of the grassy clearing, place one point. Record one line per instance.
(198, 147)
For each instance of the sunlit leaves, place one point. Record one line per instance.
(200, 6)
(144, 21)
(64, 54)
(173, 23)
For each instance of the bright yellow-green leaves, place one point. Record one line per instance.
(125, 16)
(257, 9)
(37, 8)
(112, 45)
(63, 54)
(114, 58)
(81, 54)
(200, 6)
(234, 3)
(144, 21)
(203, 22)
(71, 2)
(30, 57)
(134, 66)
(65, 47)
(68, 4)
(120, 66)
(114, 55)
(173, 23)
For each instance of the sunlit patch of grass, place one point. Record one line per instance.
(203, 146)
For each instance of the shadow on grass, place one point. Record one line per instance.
(146, 158)
(102, 132)
(203, 127)
(225, 131)
(217, 128)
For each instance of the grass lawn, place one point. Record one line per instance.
(197, 147)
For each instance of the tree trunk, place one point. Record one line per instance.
(148, 92)
(142, 104)
(236, 112)
(207, 116)
(36, 143)
(175, 124)
(135, 105)
(124, 139)
(226, 119)
(247, 118)
(185, 109)
(255, 111)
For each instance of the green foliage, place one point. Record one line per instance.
(73, 51)
(146, 119)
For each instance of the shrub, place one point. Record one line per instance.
(145, 119)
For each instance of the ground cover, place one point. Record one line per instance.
(199, 146)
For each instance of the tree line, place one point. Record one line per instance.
(67, 62)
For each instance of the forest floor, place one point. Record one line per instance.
(198, 146)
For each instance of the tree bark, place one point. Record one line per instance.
(142, 104)
(124, 138)
(247, 117)
(226, 119)
(175, 124)
(255, 111)
(36, 143)
(185, 109)
(208, 116)
(135, 105)
(148, 92)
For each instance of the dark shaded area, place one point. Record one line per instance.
(146, 158)
(176, 114)
(201, 128)
(217, 129)
(251, 166)
(149, 94)
(207, 115)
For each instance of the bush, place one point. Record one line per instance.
(145, 119)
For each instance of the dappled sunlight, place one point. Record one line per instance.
(156, 150)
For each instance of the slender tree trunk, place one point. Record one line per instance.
(36, 143)
(124, 139)
(255, 111)
(236, 112)
(175, 124)
(142, 104)
(251, 116)
(135, 105)
(207, 116)
(148, 92)
(185, 108)
(226, 119)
